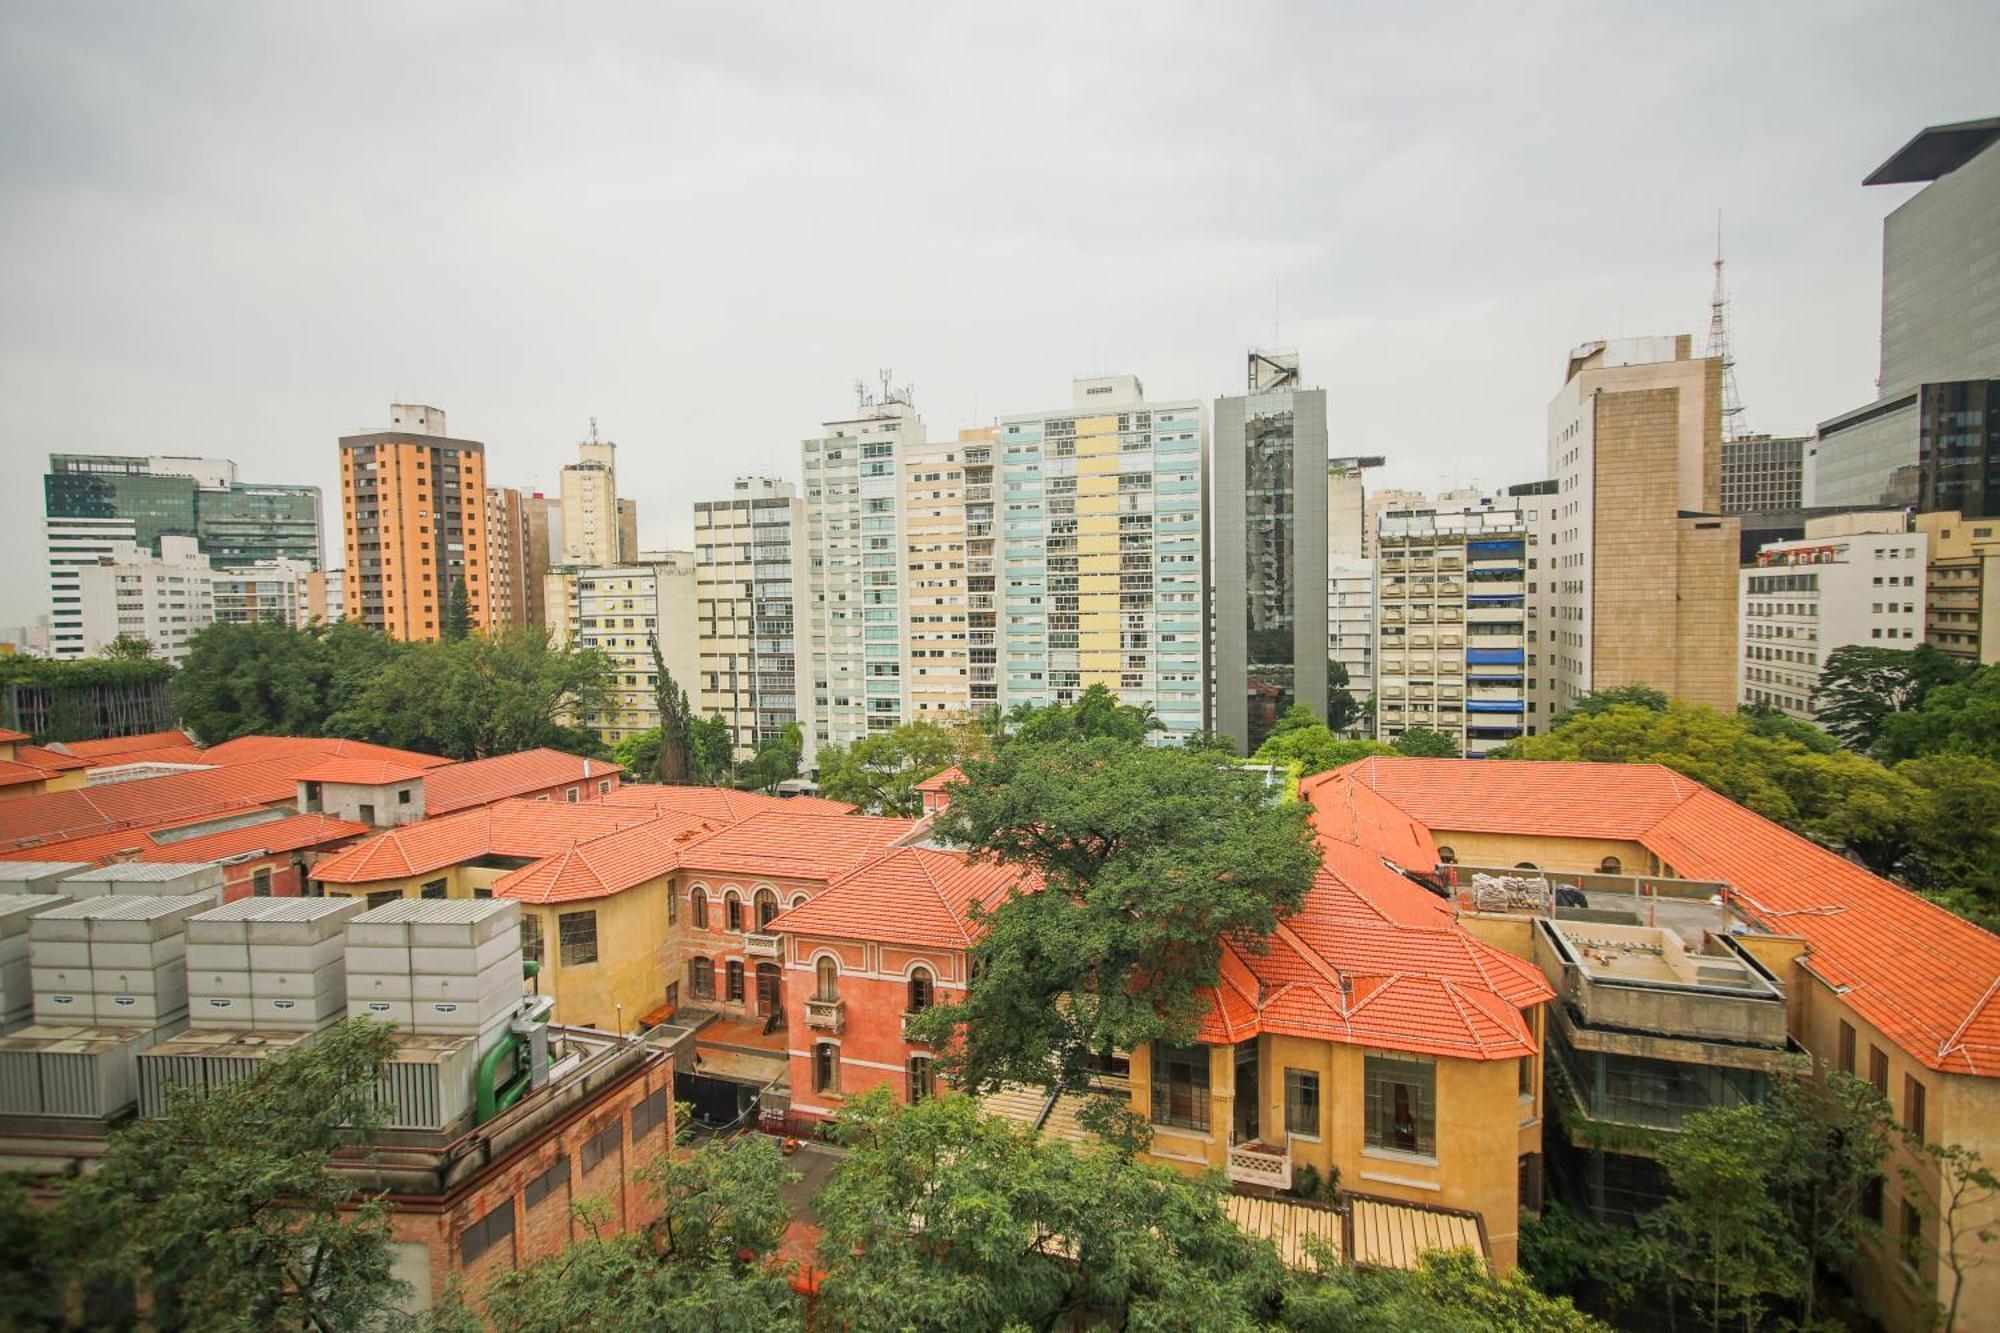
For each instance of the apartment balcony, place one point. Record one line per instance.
(826, 1015)
(1261, 1164)
(758, 944)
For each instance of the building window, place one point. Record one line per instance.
(1447, 856)
(376, 900)
(531, 938)
(826, 1067)
(577, 933)
(1524, 1078)
(1610, 865)
(1302, 1102)
(733, 980)
(547, 1183)
(434, 889)
(732, 912)
(1846, 1059)
(260, 882)
(1401, 1103)
(701, 978)
(602, 1144)
(922, 990)
(1911, 1233)
(767, 908)
(1871, 1200)
(571, 795)
(826, 980)
(1913, 1107)
(649, 1115)
(1180, 1086)
(1878, 1070)
(402, 796)
(673, 908)
(488, 1231)
(698, 908)
(922, 1083)
(604, 787)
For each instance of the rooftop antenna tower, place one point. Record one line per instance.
(1718, 347)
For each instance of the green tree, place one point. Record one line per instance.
(458, 610)
(1766, 721)
(129, 648)
(35, 1261)
(708, 1262)
(1097, 712)
(1955, 846)
(483, 695)
(1210, 742)
(942, 1218)
(1149, 858)
(1962, 1191)
(1861, 687)
(1302, 739)
(1425, 743)
(1448, 1292)
(225, 1213)
(880, 772)
(264, 678)
(1343, 710)
(1958, 717)
(711, 751)
(777, 759)
(676, 763)
(1835, 1135)
(1730, 1242)
(1616, 696)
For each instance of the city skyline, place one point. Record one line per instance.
(1394, 228)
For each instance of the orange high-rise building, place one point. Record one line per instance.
(413, 504)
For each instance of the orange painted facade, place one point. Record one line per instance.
(413, 517)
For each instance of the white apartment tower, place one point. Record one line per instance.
(853, 623)
(621, 609)
(936, 666)
(750, 567)
(162, 598)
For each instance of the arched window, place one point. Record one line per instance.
(1447, 856)
(701, 978)
(921, 1082)
(826, 1067)
(1526, 865)
(733, 981)
(698, 908)
(922, 986)
(732, 910)
(827, 977)
(767, 908)
(1611, 865)
(798, 900)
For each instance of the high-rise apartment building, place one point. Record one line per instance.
(936, 667)
(981, 593)
(622, 609)
(1350, 575)
(93, 504)
(749, 554)
(281, 590)
(1762, 474)
(853, 622)
(542, 518)
(1104, 540)
(1958, 447)
(1451, 609)
(1940, 316)
(1962, 586)
(590, 505)
(1644, 565)
(1852, 579)
(507, 542)
(628, 531)
(1270, 497)
(415, 522)
(1348, 531)
(163, 598)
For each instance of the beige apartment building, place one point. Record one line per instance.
(1962, 586)
(590, 505)
(936, 668)
(621, 610)
(507, 556)
(1643, 563)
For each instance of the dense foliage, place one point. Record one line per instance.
(1862, 687)
(879, 773)
(1302, 742)
(1148, 858)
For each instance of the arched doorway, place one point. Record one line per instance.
(770, 997)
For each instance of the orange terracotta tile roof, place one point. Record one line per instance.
(517, 828)
(359, 772)
(793, 844)
(937, 782)
(109, 745)
(8, 735)
(606, 864)
(1929, 980)
(917, 896)
(718, 803)
(50, 761)
(161, 754)
(139, 843)
(278, 835)
(484, 781)
(310, 749)
(266, 777)
(13, 774)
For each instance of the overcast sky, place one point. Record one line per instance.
(244, 229)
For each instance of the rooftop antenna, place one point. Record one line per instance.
(593, 430)
(1718, 347)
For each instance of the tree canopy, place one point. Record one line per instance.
(1300, 739)
(1425, 743)
(1150, 857)
(264, 678)
(1958, 717)
(1097, 712)
(1861, 687)
(879, 773)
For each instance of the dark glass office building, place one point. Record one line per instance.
(235, 523)
(1958, 448)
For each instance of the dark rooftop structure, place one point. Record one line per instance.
(1936, 151)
